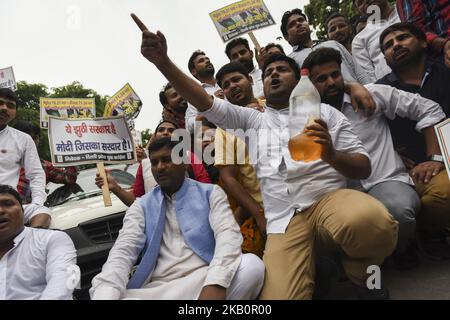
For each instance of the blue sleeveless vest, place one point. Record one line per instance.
(192, 210)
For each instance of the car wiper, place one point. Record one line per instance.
(81, 196)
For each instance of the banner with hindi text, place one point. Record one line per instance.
(83, 141)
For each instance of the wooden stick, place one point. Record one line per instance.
(105, 187)
(254, 40)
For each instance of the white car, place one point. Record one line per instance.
(79, 211)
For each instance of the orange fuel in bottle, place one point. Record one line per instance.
(303, 148)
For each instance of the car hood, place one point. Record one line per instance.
(72, 213)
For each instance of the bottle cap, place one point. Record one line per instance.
(304, 72)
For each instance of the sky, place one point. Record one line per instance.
(95, 42)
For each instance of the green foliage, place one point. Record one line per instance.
(318, 11)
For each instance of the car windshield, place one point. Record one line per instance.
(85, 186)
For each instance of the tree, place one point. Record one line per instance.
(28, 94)
(318, 11)
(76, 90)
(146, 135)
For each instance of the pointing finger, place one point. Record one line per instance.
(139, 23)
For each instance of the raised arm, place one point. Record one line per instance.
(154, 49)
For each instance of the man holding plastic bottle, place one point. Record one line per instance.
(304, 201)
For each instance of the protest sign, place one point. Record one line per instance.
(443, 133)
(125, 102)
(67, 108)
(240, 18)
(7, 79)
(76, 141)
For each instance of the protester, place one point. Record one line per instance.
(174, 105)
(190, 243)
(389, 181)
(202, 69)
(35, 264)
(238, 50)
(268, 50)
(17, 150)
(296, 31)
(404, 46)
(145, 181)
(339, 29)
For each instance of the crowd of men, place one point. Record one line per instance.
(257, 224)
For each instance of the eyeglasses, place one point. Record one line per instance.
(8, 104)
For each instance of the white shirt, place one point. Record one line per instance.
(286, 185)
(375, 134)
(351, 71)
(175, 257)
(192, 112)
(366, 48)
(17, 150)
(258, 85)
(40, 266)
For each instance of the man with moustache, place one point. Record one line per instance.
(175, 105)
(404, 46)
(303, 201)
(238, 50)
(190, 242)
(203, 70)
(339, 29)
(296, 31)
(366, 46)
(433, 18)
(35, 264)
(389, 181)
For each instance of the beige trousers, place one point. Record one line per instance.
(346, 220)
(435, 197)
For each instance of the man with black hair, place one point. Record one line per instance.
(339, 29)
(359, 24)
(433, 18)
(18, 150)
(203, 70)
(366, 46)
(238, 50)
(190, 242)
(35, 264)
(389, 182)
(296, 31)
(145, 181)
(175, 105)
(405, 48)
(299, 198)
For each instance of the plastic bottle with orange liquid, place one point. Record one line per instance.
(304, 108)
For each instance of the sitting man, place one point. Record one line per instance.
(404, 46)
(191, 242)
(36, 264)
(17, 150)
(389, 181)
(304, 202)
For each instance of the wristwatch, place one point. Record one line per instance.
(436, 157)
